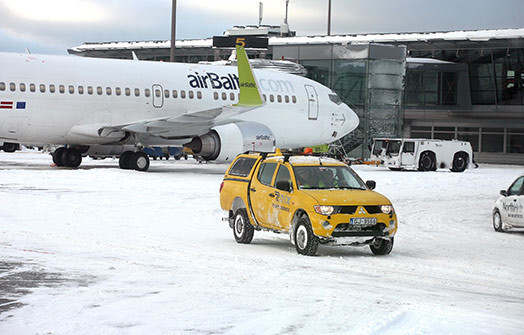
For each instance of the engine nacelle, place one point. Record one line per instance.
(223, 143)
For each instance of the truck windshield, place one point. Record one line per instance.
(327, 177)
(378, 146)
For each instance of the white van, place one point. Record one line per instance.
(423, 154)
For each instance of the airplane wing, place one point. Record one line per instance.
(192, 123)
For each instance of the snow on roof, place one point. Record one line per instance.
(463, 35)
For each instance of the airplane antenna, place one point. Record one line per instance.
(260, 13)
(27, 51)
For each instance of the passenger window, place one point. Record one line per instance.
(409, 147)
(42, 88)
(182, 94)
(283, 175)
(108, 90)
(137, 92)
(294, 99)
(191, 94)
(215, 95)
(147, 92)
(99, 90)
(71, 89)
(166, 93)
(242, 167)
(199, 95)
(118, 91)
(232, 96)
(12, 87)
(516, 188)
(90, 90)
(32, 87)
(224, 96)
(51, 88)
(175, 94)
(61, 89)
(2, 86)
(287, 99)
(265, 97)
(279, 98)
(128, 91)
(158, 93)
(271, 98)
(22, 87)
(80, 89)
(265, 175)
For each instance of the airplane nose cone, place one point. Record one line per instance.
(351, 119)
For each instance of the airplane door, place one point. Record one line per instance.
(312, 102)
(158, 96)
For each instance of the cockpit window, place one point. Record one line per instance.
(335, 98)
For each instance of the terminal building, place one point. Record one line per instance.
(466, 85)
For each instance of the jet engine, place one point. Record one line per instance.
(223, 143)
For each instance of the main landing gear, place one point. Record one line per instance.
(69, 157)
(130, 160)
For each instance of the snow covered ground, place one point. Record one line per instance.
(101, 250)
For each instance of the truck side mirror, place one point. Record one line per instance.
(371, 184)
(504, 193)
(284, 185)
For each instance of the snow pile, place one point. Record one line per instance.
(147, 253)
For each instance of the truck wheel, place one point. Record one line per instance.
(427, 161)
(460, 162)
(497, 222)
(10, 147)
(242, 228)
(306, 242)
(381, 246)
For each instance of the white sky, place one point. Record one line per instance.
(52, 26)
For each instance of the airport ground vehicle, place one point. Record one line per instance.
(9, 147)
(423, 154)
(508, 211)
(317, 200)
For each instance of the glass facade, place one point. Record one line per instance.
(431, 88)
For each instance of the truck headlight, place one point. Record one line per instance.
(387, 209)
(324, 210)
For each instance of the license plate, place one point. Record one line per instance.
(363, 221)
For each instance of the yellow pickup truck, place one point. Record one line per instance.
(317, 200)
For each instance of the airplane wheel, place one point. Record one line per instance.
(71, 158)
(57, 156)
(139, 161)
(125, 160)
(11, 147)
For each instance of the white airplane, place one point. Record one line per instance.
(88, 106)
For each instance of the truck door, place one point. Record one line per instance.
(312, 98)
(262, 194)
(282, 201)
(407, 157)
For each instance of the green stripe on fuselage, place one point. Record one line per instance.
(249, 93)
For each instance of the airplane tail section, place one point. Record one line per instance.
(249, 93)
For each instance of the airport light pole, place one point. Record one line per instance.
(329, 18)
(173, 32)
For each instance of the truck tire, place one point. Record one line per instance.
(242, 228)
(10, 147)
(306, 242)
(381, 246)
(427, 161)
(460, 162)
